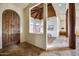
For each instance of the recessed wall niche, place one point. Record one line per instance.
(36, 19)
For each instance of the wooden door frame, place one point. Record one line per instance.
(72, 22)
(67, 23)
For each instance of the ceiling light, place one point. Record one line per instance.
(59, 5)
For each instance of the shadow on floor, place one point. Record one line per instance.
(22, 49)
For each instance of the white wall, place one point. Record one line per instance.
(62, 20)
(5, 6)
(77, 24)
(35, 39)
(54, 33)
(61, 14)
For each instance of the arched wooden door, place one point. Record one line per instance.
(10, 28)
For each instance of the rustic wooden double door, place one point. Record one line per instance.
(10, 28)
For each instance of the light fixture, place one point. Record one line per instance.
(59, 4)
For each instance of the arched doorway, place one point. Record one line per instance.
(10, 28)
(51, 25)
(55, 30)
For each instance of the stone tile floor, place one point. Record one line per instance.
(61, 41)
(62, 49)
(26, 49)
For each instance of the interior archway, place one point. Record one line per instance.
(52, 25)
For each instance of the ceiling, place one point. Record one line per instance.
(21, 5)
(61, 7)
(37, 12)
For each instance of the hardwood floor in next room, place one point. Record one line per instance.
(22, 49)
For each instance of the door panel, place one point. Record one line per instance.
(10, 28)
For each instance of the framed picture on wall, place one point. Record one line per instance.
(50, 27)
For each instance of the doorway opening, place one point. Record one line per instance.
(56, 32)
